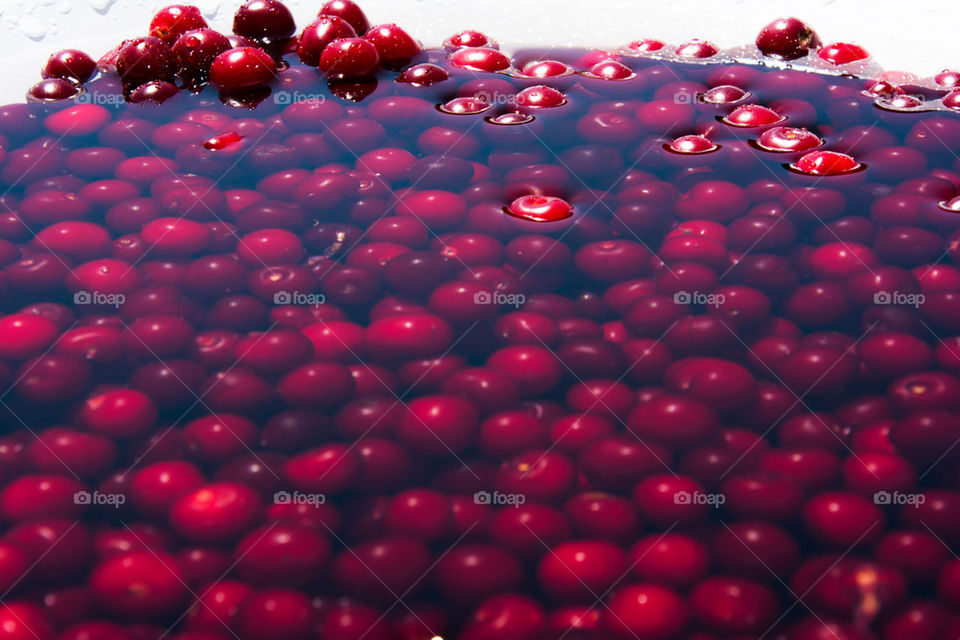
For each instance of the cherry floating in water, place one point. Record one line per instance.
(540, 208)
(467, 38)
(647, 44)
(842, 53)
(545, 69)
(423, 75)
(170, 23)
(512, 118)
(692, 144)
(349, 58)
(697, 49)
(899, 102)
(242, 67)
(787, 39)
(70, 64)
(825, 163)
(952, 100)
(464, 106)
(540, 97)
(610, 70)
(753, 115)
(724, 94)
(788, 139)
(479, 59)
(222, 141)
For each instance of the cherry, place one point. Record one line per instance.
(647, 611)
(692, 144)
(69, 64)
(610, 70)
(733, 605)
(467, 38)
(213, 512)
(842, 53)
(349, 58)
(139, 584)
(348, 11)
(423, 75)
(753, 115)
(580, 569)
(470, 572)
(826, 163)
(275, 613)
(505, 616)
(23, 621)
(145, 59)
(754, 548)
(25, 335)
(51, 90)
(787, 39)
(673, 559)
(647, 44)
(479, 59)
(788, 139)
(281, 554)
(696, 49)
(171, 22)
(843, 519)
(242, 67)
(393, 44)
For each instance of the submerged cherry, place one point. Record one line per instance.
(826, 163)
(692, 144)
(479, 59)
(724, 94)
(349, 58)
(242, 67)
(540, 208)
(753, 115)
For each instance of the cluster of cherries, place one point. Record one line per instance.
(449, 344)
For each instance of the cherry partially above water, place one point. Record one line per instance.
(309, 331)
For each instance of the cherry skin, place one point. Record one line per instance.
(144, 59)
(242, 67)
(138, 585)
(843, 519)
(69, 64)
(734, 605)
(826, 163)
(479, 59)
(646, 611)
(787, 39)
(753, 115)
(393, 44)
(171, 22)
(842, 53)
(348, 11)
(578, 569)
(788, 139)
(349, 58)
(215, 512)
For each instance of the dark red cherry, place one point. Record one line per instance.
(51, 90)
(349, 58)
(318, 34)
(268, 20)
(171, 22)
(349, 11)
(145, 59)
(69, 64)
(826, 163)
(787, 39)
(196, 50)
(393, 44)
(242, 67)
(479, 59)
(788, 139)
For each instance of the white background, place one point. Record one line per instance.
(910, 35)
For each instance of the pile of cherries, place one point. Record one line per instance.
(332, 336)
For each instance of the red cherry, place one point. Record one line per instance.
(692, 144)
(826, 163)
(69, 64)
(580, 569)
(268, 20)
(242, 67)
(348, 11)
(646, 611)
(734, 605)
(214, 512)
(672, 559)
(139, 584)
(753, 115)
(479, 59)
(787, 139)
(787, 39)
(697, 49)
(843, 519)
(842, 53)
(540, 208)
(171, 22)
